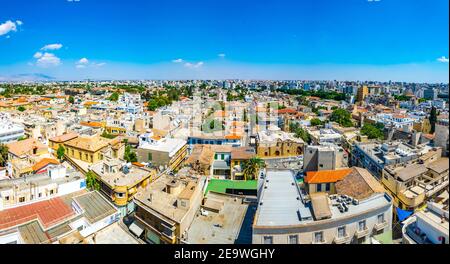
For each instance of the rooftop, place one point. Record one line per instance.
(219, 227)
(116, 176)
(89, 143)
(221, 186)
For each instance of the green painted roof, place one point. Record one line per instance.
(384, 238)
(220, 186)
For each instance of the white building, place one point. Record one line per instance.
(9, 131)
(286, 216)
(427, 227)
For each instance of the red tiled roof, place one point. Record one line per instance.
(44, 162)
(48, 212)
(326, 176)
(287, 111)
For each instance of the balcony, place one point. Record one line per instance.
(362, 233)
(319, 242)
(380, 226)
(342, 240)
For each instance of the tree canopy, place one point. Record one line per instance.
(342, 117)
(373, 131)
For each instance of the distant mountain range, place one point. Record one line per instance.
(26, 77)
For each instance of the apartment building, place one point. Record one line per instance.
(413, 184)
(324, 157)
(68, 219)
(429, 226)
(56, 181)
(166, 208)
(167, 153)
(9, 131)
(374, 156)
(354, 211)
(120, 181)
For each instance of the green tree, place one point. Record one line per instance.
(373, 131)
(433, 119)
(21, 108)
(3, 154)
(342, 117)
(107, 135)
(316, 122)
(251, 168)
(92, 182)
(60, 152)
(245, 116)
(129, 155)
(114, 97)
(71, 99)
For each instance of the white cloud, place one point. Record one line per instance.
(37, 55)
(7, 27)
(443, 59)
(48, 60)
(56, 46)
(194, 65)
(222, 55)
(19, 22)
(178, 61)
(83, 61)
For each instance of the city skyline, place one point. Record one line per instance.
(312, 40)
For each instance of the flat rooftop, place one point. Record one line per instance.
(283, 205)
(221, 227)
(156, 198)
(113, 234)
(119, 178)
(169, 145)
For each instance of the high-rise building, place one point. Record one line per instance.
(363, 91)
(430, 94)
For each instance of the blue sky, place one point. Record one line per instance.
(404, 40)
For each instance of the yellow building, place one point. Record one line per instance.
(120, 182)
(272, 144)
(55, 142)
(423, 126)
(87, 148)
(362, 93)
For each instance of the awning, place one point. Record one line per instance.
(403, 214)
(136, 229)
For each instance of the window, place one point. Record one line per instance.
(327, 187)
(21, 199)
(216, 156)
(319, 187)
(341, 231)
(293, 239)
(51, 192)
(380, 218)
(40, 195)
(7, 198)
(362, 225)
(318, 237)
(321, 165)
(268, 240)
(150, 156)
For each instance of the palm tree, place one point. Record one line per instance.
(3, 154)
(251, 167)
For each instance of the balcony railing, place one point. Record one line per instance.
(342, 240)
(380, 226)
(362, 233)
